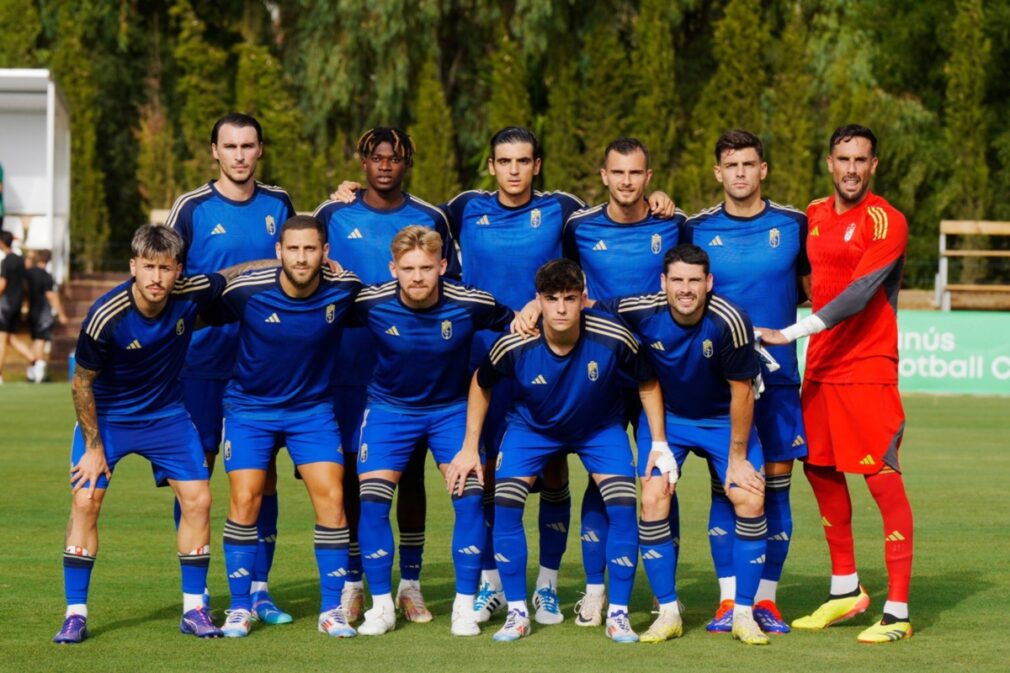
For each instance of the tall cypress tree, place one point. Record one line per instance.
(510, 95)
(563, 168)
(202, 87)
(791, 128)
(155, 138)
(730, 99)
(965, 132)
(89, 214)
(434, 175)
(656, 104)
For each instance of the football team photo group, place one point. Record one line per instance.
(498, 335)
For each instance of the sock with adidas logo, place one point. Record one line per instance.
(331, 546)
(239, 557)
(468, 535)
(656, 545)
(780, 531)
(620, 497)
(888, 490)
(376, 535)
(411, 553)
(749, 549)
(511, 550)
(266, 526)
(593, 534)
(832, 494)
(553, 521)
(721, 522)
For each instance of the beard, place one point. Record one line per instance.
(301, 285)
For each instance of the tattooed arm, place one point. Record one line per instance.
(238, 269)
(92, 464)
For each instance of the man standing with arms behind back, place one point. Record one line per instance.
(850, 399)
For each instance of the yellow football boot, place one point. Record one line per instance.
(833, 611)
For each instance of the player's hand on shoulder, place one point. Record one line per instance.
(772, 337)
(525, 322)
(346, 192)
(333, 265)
(742, 474)
(661, 205)
(88, 469)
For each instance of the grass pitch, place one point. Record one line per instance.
(956, 462)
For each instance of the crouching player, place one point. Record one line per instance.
(568, 382)
(280, 395)
(423, 326)
(702, 350)
(128, 399)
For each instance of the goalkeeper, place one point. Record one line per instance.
(701, 348)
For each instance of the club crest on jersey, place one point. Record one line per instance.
(657, 244)
(180, 326)
(593, 370)
(535, 218)
(363, 453)
(849, 231)
(331, 312)
(227, 449)
(446, 329)
(774, 238)
(271, 225)
(706, 348)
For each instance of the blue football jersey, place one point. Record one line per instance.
(756, 262)
(359, 238)
(502, 247)
(568, 396)
(138, 359)
(620, 259)
(694, 364)
(218, 233)
(287, 347)
(423, 355)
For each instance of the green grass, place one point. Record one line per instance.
(956, 462)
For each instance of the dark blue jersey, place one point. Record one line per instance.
(138, 359)
(573, 395)
(359, 238)
(756, 262)
(620, 259)
(423, 354)
(502, 247)
(218, 233)
(287, 347)
(694, 364)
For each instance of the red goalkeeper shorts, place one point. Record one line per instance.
(853, 427)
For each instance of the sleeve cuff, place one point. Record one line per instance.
(804, 328)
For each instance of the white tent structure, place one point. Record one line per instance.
(35, 153)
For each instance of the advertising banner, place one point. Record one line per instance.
(956, 352)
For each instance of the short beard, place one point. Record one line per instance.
(857, 198)
(307, 283)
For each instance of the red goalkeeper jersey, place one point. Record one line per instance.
(857, 259)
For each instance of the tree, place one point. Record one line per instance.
(731, 99)
(790, 130)
(20, 26)
(434, 174)
(202, 87)
(563, 168)
(89, 215)
(156, 165)
(656, 104)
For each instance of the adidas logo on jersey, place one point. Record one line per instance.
(868, 460)
(798, 441)
(651, 555)
(355, 234)
(780, 537)
(134, 345)
(219, 229)
(472, 550)
(483, 221)
(716, 532)
(392, 331)
(241, 572)
(377, 555)
(715, 241)
(600, 245)
(816, 231)
(759, 560)
(623, 561)
(895, 537)
(658, 345)
(539, 380)
(273, 317)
